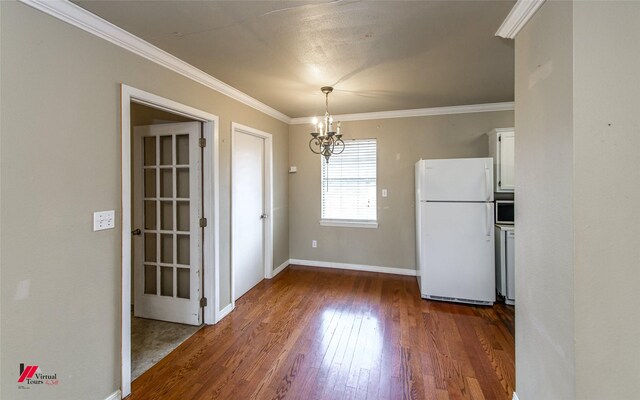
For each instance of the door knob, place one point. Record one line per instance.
(136, 232)
(263, 216)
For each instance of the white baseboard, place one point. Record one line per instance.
(224, 312)
(355, 267)
(117, 395)
(279, 269)
(515, 396)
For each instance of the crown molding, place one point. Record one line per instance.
(77, 16)
(520, 14)
(418, 112)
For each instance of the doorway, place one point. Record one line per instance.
(251, 208)
(188, 292)
(167, 246)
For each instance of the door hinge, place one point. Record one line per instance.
(203, 302)
(499, 138)
(500, 183)
(203, 222)
(202, 142)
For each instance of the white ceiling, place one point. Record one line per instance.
(379, 55)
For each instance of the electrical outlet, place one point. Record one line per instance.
(314, 243)
(104, 220)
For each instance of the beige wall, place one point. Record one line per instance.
(544, 208)
(577, 196)
(401, 142)
(607, 199)
(60, 154)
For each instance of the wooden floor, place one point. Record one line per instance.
(315, 333)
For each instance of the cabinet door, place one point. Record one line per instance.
(506, 154)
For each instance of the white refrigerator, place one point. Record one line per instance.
(454, 230)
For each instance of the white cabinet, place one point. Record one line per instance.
(505, 263)
(502, 149)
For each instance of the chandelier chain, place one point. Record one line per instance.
(326, 102)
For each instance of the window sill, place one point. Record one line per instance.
(345, 223)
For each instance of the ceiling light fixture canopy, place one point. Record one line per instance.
(325, 140)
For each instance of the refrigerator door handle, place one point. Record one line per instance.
(487, 179)
(488, 220)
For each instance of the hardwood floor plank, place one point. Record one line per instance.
(315, 333)
(410, 376)
(363, 381)
(479, 358)
(474, 389)
(430, 389)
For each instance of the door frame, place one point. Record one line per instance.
(211, 192)
(268, 200)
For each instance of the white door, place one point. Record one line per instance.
(248, 208)
(460, 179)
(459, 254)
(167, 234)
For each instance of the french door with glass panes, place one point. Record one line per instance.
(167, 236)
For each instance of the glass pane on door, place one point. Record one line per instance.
(183, 250)
(182, 149)
(166, 215)
(182, 182)
(184, 289)
(183, 216)
(166, 281)
(166, 182)
(149, 151)
(150, 279)
(166, 150)
(150, 182)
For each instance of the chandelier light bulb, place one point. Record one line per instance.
(314, 121)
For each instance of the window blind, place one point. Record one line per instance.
(349, 182)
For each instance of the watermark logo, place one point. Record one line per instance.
(27, 372)
(33, 375)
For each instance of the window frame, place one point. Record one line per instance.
(345, 222)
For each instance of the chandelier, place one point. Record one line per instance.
(325, 140)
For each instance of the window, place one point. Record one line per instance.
(349, 185)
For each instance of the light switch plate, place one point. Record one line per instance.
(384, 192)
(104, 220)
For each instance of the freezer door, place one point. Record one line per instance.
(458, 255)
(461, 179)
